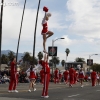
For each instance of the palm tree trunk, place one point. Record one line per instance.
(66, 57)
(35, 31)
(20, 30)
(1, 29)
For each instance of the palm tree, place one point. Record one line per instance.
(4, 59)
(78, 59)
(11, 55)
(55, 61)
(63, 62)
(26, 57)
(35, 60)
(40, 55)
(67, 52)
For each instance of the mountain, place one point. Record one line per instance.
(7, 51)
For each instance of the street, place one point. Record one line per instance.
(56, 92)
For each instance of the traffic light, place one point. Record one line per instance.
(52, 51)
(89, 62)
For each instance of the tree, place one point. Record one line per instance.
(96, 67)
(55, 61)
(26, 57)
(35, 60)
(63, 63)
(4, 59)
(78, 59)
(67, 52)
(40, 55)
(11, 55)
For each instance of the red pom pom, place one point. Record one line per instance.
(45, 9)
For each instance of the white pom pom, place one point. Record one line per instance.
(48, 14)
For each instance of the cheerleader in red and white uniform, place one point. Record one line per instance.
(56, 76)
(81, 76)
(45, 33)
(66, 74)
(45, 66)
(98, 78)
(32, 77)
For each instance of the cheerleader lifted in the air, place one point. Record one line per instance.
(45, 32)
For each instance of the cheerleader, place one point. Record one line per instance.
(32, 77)
(45, 33)
(56, 76)
(98, 79)
(66, 74)
(81, 77)
(93, 78)
(71, 76)
(60, 77)
(45, 66)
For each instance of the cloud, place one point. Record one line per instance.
(84, 17)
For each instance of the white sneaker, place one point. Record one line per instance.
(16, 91)
(9, 91)
(81, 85)
(42, 96)
(34, 84)
(46, 96)
(29, 90)
(34, 89)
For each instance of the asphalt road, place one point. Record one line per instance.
(56, 92)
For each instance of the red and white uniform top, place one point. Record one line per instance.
(46, 68)
(66, 73)
(71, 72)
(81, 74)
(32, 73)
(93, 75)
(56, 73)
(60, 75)
(13, 70)
(45, 27)
(97, 76)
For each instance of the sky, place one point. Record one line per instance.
(78, 21)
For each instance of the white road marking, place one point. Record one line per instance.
(74, 95)
(97, 90)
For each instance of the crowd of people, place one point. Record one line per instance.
(73, 76)
(57, 77)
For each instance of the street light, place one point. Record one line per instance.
(92, 55)
(52, 51)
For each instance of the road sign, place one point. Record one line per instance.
(52, 51)
(89, 62)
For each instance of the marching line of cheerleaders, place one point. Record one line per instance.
(71, 76)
